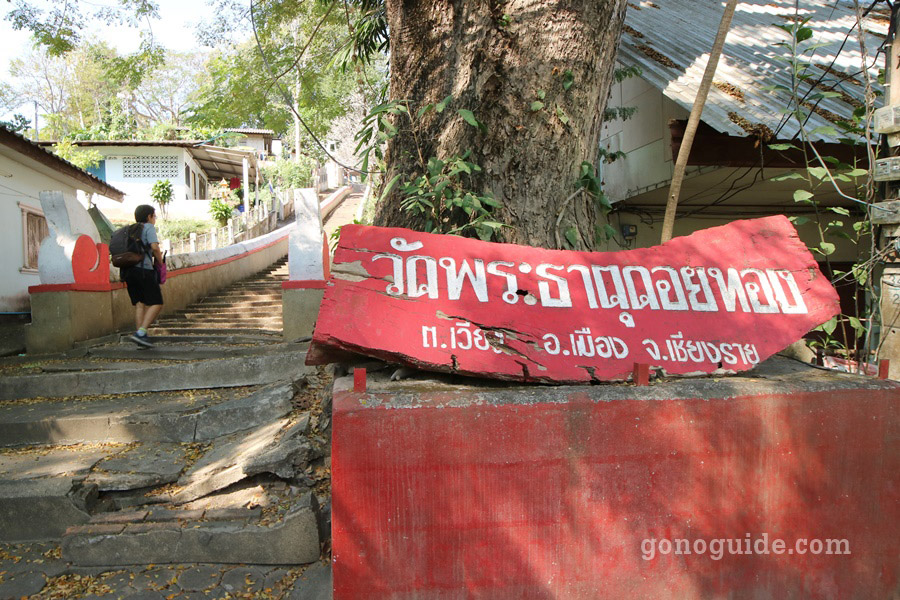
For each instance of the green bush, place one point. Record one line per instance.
(162, 194)
(287, 174)
(220, 211)
(177, 229)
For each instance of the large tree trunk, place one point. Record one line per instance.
(495, 58)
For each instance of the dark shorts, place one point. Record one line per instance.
(142, 286)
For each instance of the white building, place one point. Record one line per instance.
(260, 140)
(732, 171)
(26, 170)
(190, 166)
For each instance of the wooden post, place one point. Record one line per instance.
(693, 121)
(882, 213)
(246, 183)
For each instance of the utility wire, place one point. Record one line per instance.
(287, 98)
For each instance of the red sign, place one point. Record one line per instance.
(721, 299)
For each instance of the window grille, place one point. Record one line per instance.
(150, 167)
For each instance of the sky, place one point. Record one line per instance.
(175, 29)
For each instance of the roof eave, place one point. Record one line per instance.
(39, 154)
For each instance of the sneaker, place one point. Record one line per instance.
(141, 340)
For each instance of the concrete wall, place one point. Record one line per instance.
(137, 190)
(649, 235)
(444, 493)
(308, 262)
(21, 188)
(62, 317)
(644, 137)
(649, 164)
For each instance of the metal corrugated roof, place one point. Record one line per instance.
(670, 40)
(135, 143)
(250, 131)
(38, 152)
(218, 162)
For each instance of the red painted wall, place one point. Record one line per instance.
(553, 500)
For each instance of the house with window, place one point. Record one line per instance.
(739, 157)
(192, 167)
(26, 170)
(748, 158)
(258, 139)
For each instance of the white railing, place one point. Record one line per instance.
(258, 221)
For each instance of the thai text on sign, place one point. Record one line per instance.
(723, 298)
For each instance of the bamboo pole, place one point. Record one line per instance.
(693, 121)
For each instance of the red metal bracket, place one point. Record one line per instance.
(359, 380)
(641, 374)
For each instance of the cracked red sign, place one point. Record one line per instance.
(720, 300)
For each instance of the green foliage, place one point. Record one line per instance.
(18, 124)
(368, 37)
(59, 27)
(822, 176)
(289, 174)
(161, 192)
(619, 112)
(299, 42)
(181, 228)
(589, 184)
(94, 93)
(220, 211)
(610, 157)
(442, 191)
(131, 70)
(589, 181)
(113, 122)
(623, 73)
(81, 158)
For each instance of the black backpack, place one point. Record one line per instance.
(125, 247)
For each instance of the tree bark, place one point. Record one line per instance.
(496, 58)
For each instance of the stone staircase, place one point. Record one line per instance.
(251, 307)
(212, 447)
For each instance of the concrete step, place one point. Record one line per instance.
(233, 297)
(242, 299)
(218, 339)
(271, 325)
(41, 490)
(232, 324)
(230, 292)
(232, 310)
(227, 372)
(254, 289)
(188, 329)
(215, 536)
(278, 447)
(194, 416)
(34, 367)
(185, 351)
(212, 303)
(244, 318)
(257, 285)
